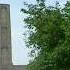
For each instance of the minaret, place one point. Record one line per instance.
(5, 37)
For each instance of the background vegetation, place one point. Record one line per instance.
(49, 35)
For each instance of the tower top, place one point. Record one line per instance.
(4, 6)
(4, 14)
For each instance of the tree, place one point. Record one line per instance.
(49, 34)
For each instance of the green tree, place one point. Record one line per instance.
(49, 35)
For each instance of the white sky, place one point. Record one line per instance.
(19, 50)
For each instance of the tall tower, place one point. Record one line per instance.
(5, 37)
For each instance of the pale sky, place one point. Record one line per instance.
(19, 50)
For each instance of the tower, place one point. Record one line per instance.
(5, 37)
(5, 41)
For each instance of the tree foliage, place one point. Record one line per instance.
(50, 34)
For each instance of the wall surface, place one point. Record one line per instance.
(5, 38)
(19, 67)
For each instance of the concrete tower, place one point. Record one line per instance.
(5, 41)
(5, 38)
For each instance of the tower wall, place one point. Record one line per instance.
(5, 37)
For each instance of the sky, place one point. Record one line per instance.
(19, 50)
